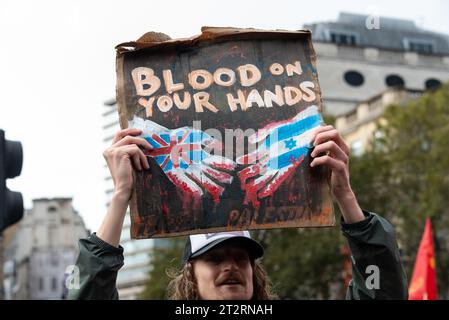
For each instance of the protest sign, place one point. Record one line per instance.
(231, 116)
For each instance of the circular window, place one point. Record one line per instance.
(394, 80)
(354, 78)
(432, 84)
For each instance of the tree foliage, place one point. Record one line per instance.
(405, 175)
(164, 258)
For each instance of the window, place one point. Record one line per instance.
(354, 78)
(54, 260)
(54, 284)
(52, 209)
(393, 80)
(343, 38)
(419, 46)
(41, 284)
(432, 84)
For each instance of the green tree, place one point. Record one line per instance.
(163, 259)
(405, 175)
(304, 263)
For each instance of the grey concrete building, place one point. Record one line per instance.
(357, 59)
(359, 127)
(42, 249)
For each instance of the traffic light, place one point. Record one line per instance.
(11, 202)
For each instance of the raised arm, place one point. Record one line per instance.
(121, 157)
(376, 263)
(101, 256)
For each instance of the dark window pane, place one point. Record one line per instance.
(394, 80)
(341, 38)
(420, 47)
(354, 78)
(352, 39)
(432, 84)
(54, 284)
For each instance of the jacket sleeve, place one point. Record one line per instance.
(95, 272)
(377, 271)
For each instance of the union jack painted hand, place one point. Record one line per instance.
(278, 148)
(180, 154)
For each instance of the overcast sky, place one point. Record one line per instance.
(57, 67)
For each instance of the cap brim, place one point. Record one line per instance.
(255, 250)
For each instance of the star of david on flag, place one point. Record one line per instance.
(278, 149)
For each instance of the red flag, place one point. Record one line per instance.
(424, 280)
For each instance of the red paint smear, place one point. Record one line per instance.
(219, 175)
(222, 165)
(164, 203)
(277, 181)
(251, 171)
(214, 190)
(253, 191)
(147, 182)
(190, 202)
(176, 120)
(189, 196)
(293, 198)
(250, 187)
(181, 184)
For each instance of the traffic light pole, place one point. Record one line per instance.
(11, 202)
(2, 290)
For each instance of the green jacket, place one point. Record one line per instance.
(372, 243)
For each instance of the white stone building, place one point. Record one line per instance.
(355, 63)
(44, 245)
(359, 127)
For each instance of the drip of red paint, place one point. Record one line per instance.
(278, 180)
(181, 184)
(255, 191)
(219, 175)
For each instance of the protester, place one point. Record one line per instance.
(228, 265)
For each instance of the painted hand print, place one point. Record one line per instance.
(230, 116)
(181, 154)
(281, 147)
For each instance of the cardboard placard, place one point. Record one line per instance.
(230, 115)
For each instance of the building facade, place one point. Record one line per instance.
(359, 126)
(356, 61)
(42, 249)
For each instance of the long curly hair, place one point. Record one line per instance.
(183, 285)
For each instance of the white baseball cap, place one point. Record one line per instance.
(198, 244)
